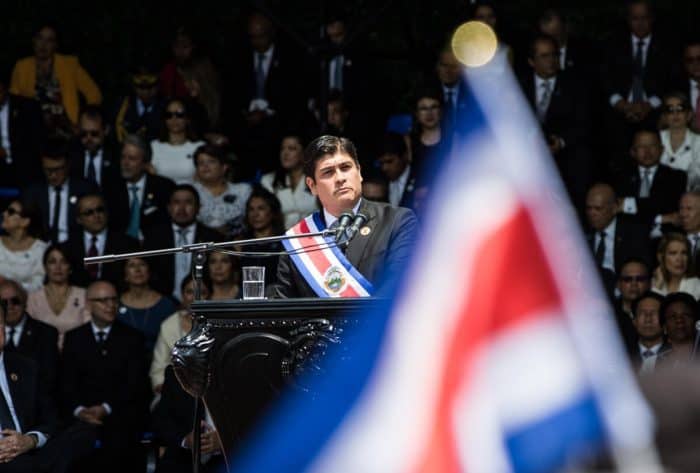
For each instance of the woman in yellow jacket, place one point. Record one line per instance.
(53, 79)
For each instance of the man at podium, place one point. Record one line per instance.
(373, 239)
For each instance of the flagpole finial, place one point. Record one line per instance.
(474, 43)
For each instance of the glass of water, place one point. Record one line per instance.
(253, 282)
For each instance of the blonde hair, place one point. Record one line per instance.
(666, 240)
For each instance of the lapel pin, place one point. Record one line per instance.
(364, 231)
(149, 196)
(14, 377)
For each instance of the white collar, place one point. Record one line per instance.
(96, 329)
(540, 80)
(330, 219)
(610, 229)
(651, 169)
(645, 41)
(190, 228)
(140, 184)
(101, 237)
(20, 326)
(655, 349)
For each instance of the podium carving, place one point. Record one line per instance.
(240, 355)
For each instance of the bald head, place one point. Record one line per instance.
(102, 302)
(601, 206)
(689, 212)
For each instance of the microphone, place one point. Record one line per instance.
(358, 221)
(343, 221)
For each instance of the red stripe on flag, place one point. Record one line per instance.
(512, 283)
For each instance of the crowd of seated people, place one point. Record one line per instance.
(180, 160)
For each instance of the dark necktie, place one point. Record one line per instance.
(56, 213)
(600, 250)
(10, 342)
(6, 420)
(91, 171)
(93, 269)
(450, 109)
(647, 353)
(260, 77)
(638, 78)
(134, 213)
(101, 337)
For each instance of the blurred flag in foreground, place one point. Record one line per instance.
(497, 353)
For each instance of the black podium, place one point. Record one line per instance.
(241, 354)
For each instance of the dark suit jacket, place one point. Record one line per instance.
(128, 121)
(568, 115)
(618, 69)
(112, 272)
(631, 240)
(109, 168)
(666, 190)
(26, 132)
(39, 193)
(154, 208)
(114, 374)
(39, 342)
(161, 236)
(33, 405)
(384, 251)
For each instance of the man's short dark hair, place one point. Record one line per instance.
(188, 188)
(93, 112)
(55, 148)
(682, 297)
(142, 144)
(323, 146)
(647, 295)
(636, 260)
(393, 143)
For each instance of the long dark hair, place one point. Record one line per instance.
(280, 180)
(275, 208)
(31, 210)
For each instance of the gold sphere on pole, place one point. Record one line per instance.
(474, 43)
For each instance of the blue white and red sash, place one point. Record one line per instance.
(321, 263)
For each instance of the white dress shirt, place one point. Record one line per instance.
(95, 330)
(19, 328)
(649, 362)
(397, 187)
(562, 58)
(97, 161)
(609, 256)
(654, 101)
(330, 219)
(63, 211)
(5, 130)
(100, 244)
(180, 271)
(335, 63)
(141, 188)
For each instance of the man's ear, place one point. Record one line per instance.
(312, 185)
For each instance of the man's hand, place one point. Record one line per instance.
(14, 444)
(209, 440)
(673, 218)
(93, 414)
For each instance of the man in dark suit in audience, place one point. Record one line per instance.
(21, 133)
(27, 413)
(575, 55)
(455, 92)
(636, 73)
(633, 280)
(182, 229)
(688, 80)
(396, 168)
(57, 195)
(560, 102)
(651, 345)
(172, 421)
(30, 337)
(137, 199)
(104, 382)
(689, 219)
(614, 238)
(96, 239)
(650, 190)
(93, 159)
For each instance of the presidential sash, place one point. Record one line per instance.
(322, 264)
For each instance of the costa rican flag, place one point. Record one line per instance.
(497, 353)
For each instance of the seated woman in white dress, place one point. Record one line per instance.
(174, 149)
(21, 250)
(223, 203)
(288, 183)
(672, 274)
(681, 145)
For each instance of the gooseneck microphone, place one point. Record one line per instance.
(344, 220)
(357, 222)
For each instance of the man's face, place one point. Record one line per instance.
(183, 208)
(448, 68)
(337, 182)
(337, 114)
(545, 59)
(553, 26)
(102, 303)
(646, 149)
(55, 170)
(92, 133)
(633, 281)
(336, 32)
(260, 34)
(600, 208)
(679, 323)
(14, 303)
(132, 163)
(691, 60)
(689, 212)
(45, 43)
(392, 165)
(639, 19)
(646, 320)
(92, 215)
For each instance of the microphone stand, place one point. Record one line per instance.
(199, 251)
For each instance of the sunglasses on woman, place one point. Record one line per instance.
(169, 115)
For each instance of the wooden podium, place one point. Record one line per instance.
(241, 354)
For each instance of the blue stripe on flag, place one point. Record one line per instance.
(571, 433)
